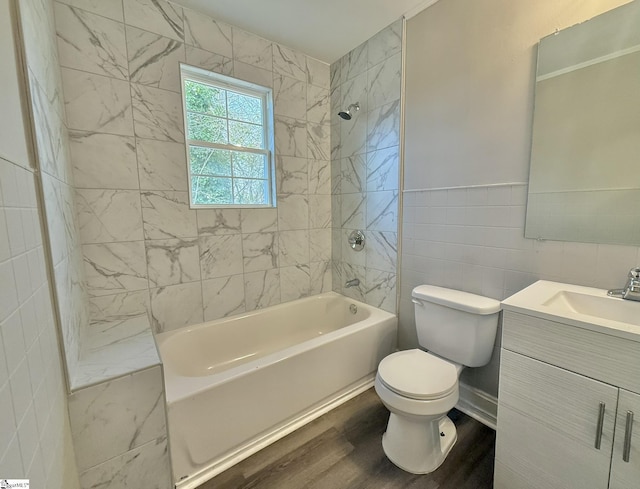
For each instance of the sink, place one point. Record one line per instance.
(609, 308)
(585, 307)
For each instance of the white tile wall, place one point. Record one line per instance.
(35, 440)
(126, 114)
(472, 239)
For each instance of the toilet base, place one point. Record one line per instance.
(416, 445)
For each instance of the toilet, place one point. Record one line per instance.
(419, 387)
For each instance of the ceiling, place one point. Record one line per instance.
(323, 29)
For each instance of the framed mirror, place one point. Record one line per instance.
(584, 181)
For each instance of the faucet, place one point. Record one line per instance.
(631, 290)
(355, 282)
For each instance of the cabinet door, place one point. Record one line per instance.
(547, 427)
(626, 475)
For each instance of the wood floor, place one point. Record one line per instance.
(342, 449)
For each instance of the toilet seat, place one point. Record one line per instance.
(418, 375)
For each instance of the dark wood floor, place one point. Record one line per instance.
(342, 449)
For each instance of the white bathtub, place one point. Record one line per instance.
(238, 384)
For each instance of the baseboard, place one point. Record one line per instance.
(479, 405)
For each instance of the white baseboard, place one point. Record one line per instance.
(479, 405)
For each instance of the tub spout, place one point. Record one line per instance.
(352, 283)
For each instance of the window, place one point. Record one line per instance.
(229, 140)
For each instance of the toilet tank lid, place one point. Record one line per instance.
(456, 299)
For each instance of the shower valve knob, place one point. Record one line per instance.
(356, 240)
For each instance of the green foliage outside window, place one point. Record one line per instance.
(228, 161)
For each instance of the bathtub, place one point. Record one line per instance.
(237, 384)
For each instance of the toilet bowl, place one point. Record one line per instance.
(420, 387)
(419, 435)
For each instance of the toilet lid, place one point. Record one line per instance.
(418, 375)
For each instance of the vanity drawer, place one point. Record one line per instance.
(603, 357)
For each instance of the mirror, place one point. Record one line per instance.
(584, 181)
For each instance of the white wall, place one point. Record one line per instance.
(470, 85)
(469, 82)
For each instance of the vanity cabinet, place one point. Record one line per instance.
(626, 475)
(564, 398)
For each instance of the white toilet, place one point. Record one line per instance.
(419, 388)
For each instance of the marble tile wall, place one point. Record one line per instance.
(35, 437)
(47, 110)
(141, 243)
(132, 451)
(365, 167)
(54, 150)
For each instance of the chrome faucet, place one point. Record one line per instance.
(631, 291)
(352, 283)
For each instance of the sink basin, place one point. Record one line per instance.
(608, 308)
(585, 307)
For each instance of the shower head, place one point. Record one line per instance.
(348, 114)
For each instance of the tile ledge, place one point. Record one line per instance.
(115, 349)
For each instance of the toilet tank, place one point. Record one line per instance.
(456, 325)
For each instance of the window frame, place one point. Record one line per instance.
(224, 82)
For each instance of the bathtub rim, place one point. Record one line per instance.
(179, 387)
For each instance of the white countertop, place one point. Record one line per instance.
(544, 299)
